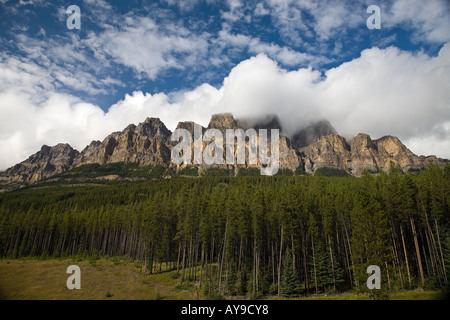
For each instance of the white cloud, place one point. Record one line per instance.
(389, 92)
(184, 5)
(56, 63)
(434, 142)
(306, 21)
(383, 92)
(430, 19)
(154, 50)
(318, 20)
(260, 10)
(235, 13)
(255, 46)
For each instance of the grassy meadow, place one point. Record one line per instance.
(121, 279)
(105, 279)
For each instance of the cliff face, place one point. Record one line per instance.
(363, 153)
(288, 155)
(45, 163)
(144, 144)
(222, 122)
(391, 149)
(149, 143)
(330, 151)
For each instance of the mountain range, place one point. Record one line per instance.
(149, 143)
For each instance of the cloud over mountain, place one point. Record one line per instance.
(185, 60)
(384, 91)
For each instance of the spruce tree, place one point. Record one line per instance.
(370, 230)
(290, 283)
(320, 266)
(336, 277)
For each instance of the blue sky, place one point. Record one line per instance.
(185, 60)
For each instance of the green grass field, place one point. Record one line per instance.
(106, 279)
(119, 279)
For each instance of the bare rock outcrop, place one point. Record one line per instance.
(45, 163)
(363, 153)
(330, 151)
(144, 144)
(149, 143)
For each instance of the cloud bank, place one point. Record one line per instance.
(382, 92)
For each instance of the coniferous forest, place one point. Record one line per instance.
(248, 235)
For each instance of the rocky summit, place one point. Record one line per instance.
(44, 163)
(149, 143)
(144, 144)
(363, 153)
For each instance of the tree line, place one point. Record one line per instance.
(249, 235)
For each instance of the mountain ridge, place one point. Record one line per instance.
(149, 143)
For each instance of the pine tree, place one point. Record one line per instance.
(290, 283)
(336, 277)
(370, 231)
(232, 278)
(320, 266)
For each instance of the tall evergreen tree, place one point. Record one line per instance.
(370, 230)
(290, 283)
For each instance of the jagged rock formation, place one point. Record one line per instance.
(222, 121)
(144, 144)
(312, 133)
(189, 126)
(363, 153)
(288, 156)
(45, 163)
(377, 155)
(149, 143)
(330, 151)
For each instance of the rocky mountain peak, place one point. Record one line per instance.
(312, 133)
(393, 146)
(362, 136)
(153, 128)
(148, 143)
(61, 152)
(188, 125)
(362, 141)
(222, 121)
(46, 162)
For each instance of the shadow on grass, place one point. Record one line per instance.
(3, 295)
